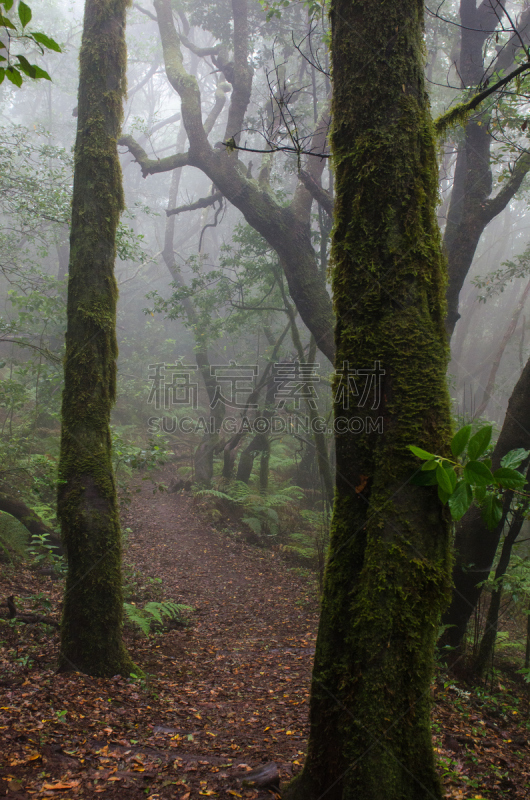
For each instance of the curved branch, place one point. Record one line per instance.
(498, 203)
(201, 52)
(242, 77)
(144, 11)
(322, 196)
(183, 83)
(204, 202)
(150, 166)
(220, 100)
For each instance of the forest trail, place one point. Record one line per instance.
(220, 697)
(244, 596)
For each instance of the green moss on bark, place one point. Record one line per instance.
(388, 574)
(91, 638)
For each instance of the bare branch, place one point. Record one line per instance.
(201, 52)
(144, 11)
(152, 69)
(319, 194)
(204, 202)
(242, 78)
(184, 84)
(495, 205)
(220, 100)
(150, 166)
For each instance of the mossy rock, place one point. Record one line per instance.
(14, 539)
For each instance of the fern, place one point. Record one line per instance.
(154, 612)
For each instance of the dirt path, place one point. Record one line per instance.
(251, 645)
(220, 698)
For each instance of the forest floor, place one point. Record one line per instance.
(218, 698)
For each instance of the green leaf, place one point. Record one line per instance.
(459, 440)
(40, 73)
(14, 76)
(444, 496)
(478, 444)
(429, 465)
(2, 74)
(509, 478)
(24, 13)
(7, 23)
(451, 474)
(514, 458)
(491, 511)
(421, 453)
(479, 493)
(460, 500)
(26, 67)
(421, 478)
(477, 474)
(7, 4)
(51, 44)
(446, 479)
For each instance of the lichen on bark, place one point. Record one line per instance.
(91, 638)
(389, 563)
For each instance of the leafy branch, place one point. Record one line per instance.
(16, 32)
(468, 478)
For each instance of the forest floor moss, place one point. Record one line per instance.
(219, 697)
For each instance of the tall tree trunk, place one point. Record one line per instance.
(388, 572)
(91, 627)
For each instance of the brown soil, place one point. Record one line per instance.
(222, 696)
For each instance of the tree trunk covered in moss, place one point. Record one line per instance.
(91, 627)
(388, 573)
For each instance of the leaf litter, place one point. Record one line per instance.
(212, 701)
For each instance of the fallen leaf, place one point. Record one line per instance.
(56, 786)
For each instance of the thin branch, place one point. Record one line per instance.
(319, 194)
(460, 112)
(230, 145)
(144, 11)
(204, 202)
(201, 52)
(148, 165)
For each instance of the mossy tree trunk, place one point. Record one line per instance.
(388, 574)
(91, 639)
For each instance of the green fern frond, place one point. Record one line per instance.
(153, 611)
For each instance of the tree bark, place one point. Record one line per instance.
(91, 640)
(388, 573)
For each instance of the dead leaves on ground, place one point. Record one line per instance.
(226, 695)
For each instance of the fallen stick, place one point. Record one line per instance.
(29, 619)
